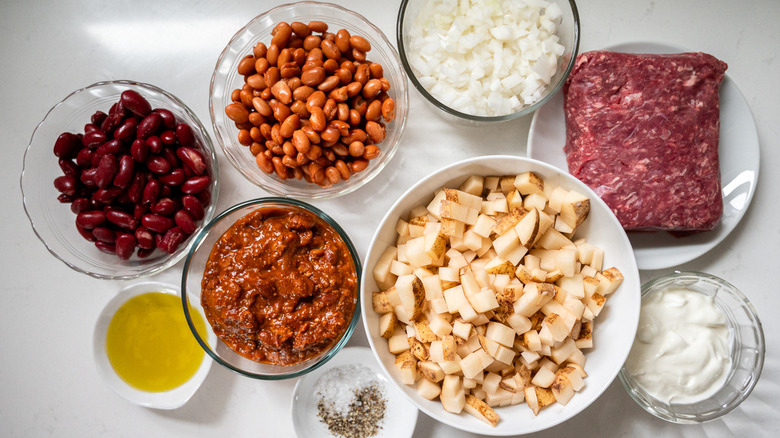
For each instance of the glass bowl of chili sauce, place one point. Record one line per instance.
(278, 281)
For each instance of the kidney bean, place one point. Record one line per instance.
(149, 125)
(106, 196)
(98, 117)
(154, 144)
(111, 122)
(66, 184)
(67, 145)
(85, 233)
(65, 199)
(84, 158)
(195, 184)
(158, 164)
(165, 207)
(111, 147)
(106, 171)
(136, 188)
(91, 219)
(104, 234)
(151, 192)
(126, 130)
(157, 223)
(185, 134)
(93, 139)
(185, 222)
(168, 137)
(121, 219)
(108, 248)
(176, 177)
(79, 204)
(144, 238)
(87, 177)
(125, 245)
(193, 206)
(168, 118)
(124, 174)
(170, 241)
(135, 103)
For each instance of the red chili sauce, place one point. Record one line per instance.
(280, 286)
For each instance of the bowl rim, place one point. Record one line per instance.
(630, 262)
(208, 148)
(169, 399)
(201, 235)
(473, 117)
(650, 403)
(314, 191)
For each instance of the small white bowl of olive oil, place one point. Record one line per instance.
(144, 348)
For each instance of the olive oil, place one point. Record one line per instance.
(149, 343)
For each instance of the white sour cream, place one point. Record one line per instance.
(681, 352)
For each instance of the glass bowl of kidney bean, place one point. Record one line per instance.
(309, 100)
(117, 177)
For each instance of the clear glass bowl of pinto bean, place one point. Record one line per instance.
(116, 179)
(309, 100)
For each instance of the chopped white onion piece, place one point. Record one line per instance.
(486, 57)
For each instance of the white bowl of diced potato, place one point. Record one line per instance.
(505, 304)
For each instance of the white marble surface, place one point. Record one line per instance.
(48, 382)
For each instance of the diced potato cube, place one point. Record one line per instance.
(387, 324)
(500, 333)
(428, 390)
(453, 395)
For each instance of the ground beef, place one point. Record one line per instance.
(642, 132)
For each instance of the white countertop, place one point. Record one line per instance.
(49, 385)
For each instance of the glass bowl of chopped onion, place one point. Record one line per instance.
(492, 61)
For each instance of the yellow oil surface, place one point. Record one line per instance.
(149, 343)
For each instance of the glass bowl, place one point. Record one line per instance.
(194, 267)
(568, 31)
(746, 344)
(226, 79)
(53, 222)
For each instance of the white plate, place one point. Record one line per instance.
(400, 415)
(614, 329)
(739, 163)
(172, 399)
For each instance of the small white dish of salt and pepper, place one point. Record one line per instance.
(350, 397)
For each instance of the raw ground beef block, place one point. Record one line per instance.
(642, 132)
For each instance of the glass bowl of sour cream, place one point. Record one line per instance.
(699, 349)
